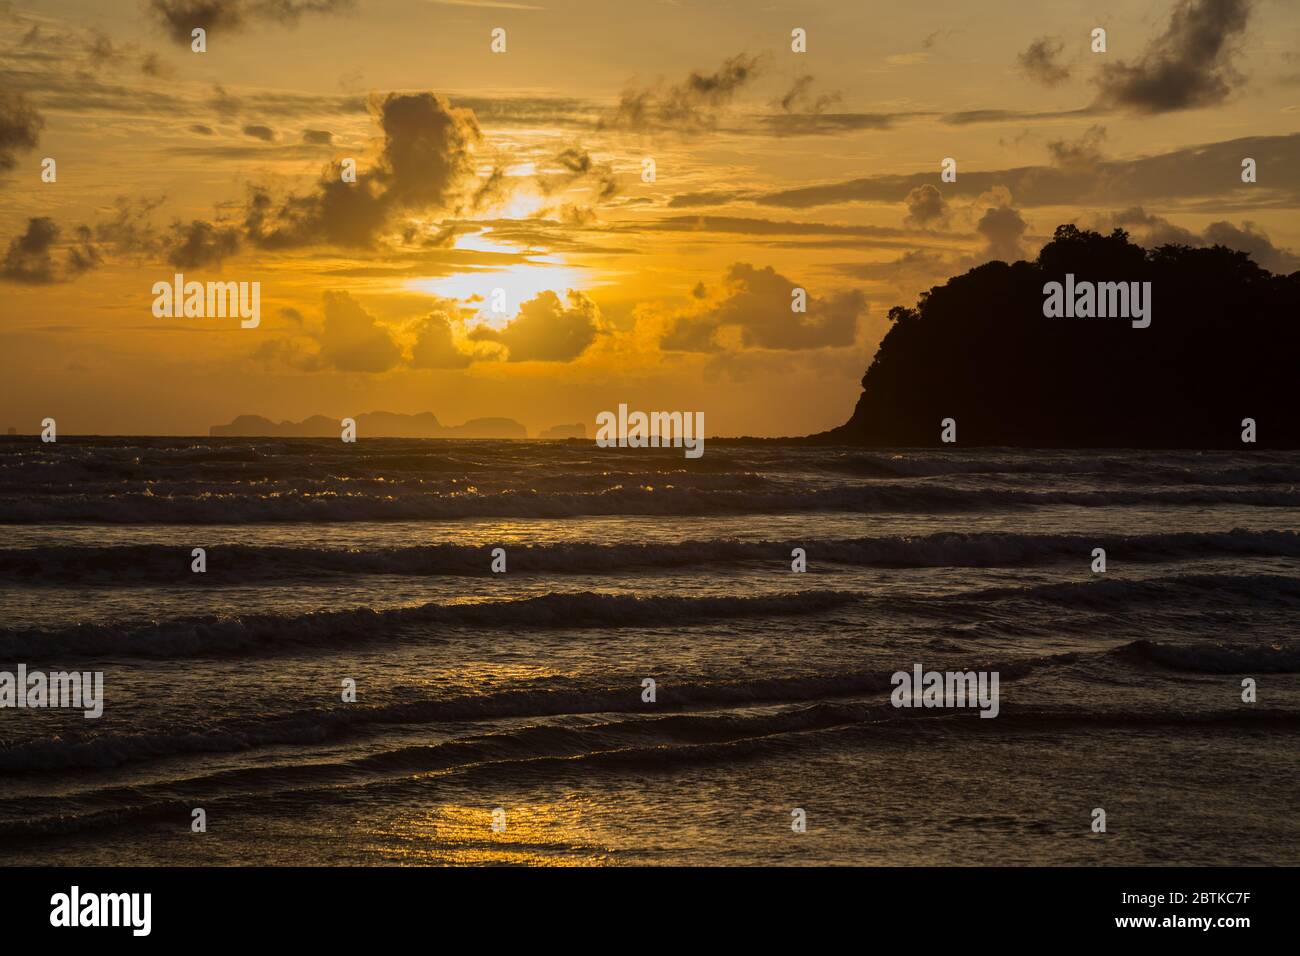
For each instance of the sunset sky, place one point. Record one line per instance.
(522, 171)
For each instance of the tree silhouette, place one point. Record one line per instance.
(1223, 345)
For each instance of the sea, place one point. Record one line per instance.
(406, 652)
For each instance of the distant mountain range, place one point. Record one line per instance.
(373, 425)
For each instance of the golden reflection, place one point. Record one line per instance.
(534, 834)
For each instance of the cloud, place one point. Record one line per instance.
(800, 98)
(202, 244)
(692, 105)
(925, 207)
(917, 268)
(180, 17)
(546, 330)
(82, 254)
(317, 137)
(818, 124)
(264, 133)
(1150, 230)
(971, 117)
(426, 163)
(756, 303)
(20, 127)
(492, 190)
(1082, 153)
(130, 231)
(428, 146)
(578, 166)
(201, 129)
(1253, 241)
(1206, 170)
(1002, 227)
(1187, 66)
(30, 257)
(151, 65)
(1039, 61)
(434, 346)
(351, 340)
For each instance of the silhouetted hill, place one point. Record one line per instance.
(1222, 346)
(370, 425)
(563, 432)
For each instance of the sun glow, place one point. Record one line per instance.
(519, 283)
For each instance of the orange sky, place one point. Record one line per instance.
(522, 171)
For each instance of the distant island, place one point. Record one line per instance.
(563, 432)
(370, 425)
(1222, 346)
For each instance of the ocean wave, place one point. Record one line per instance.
(1101, 594)
(1166, 468)
(247, 563)
(1277, 658)
(535, 752)
(146, 508)
(209, 635)
(320, 725)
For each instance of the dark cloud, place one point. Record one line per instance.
(800, 98)
(20, 127)
(932, 38)
(82, 254)
(317, 137)
(1081, 153)
(426, 163)
(971, 117)
(201, 129)
(264, 133)
(817, 124)
(692, 105)
(180, 17)
(492, 189)
(130, 231)
(578, 166)
(1189, 65)
(201, 244)
(1002, 227)
(30, 257)
(1255, 242)
(546, 329)
(917, 267)
(1203, 171)
(713, 197)
(1150, 230)
(1039, 61)
(926, 207)
(757, 304)
(337, 213)
(427, 152)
